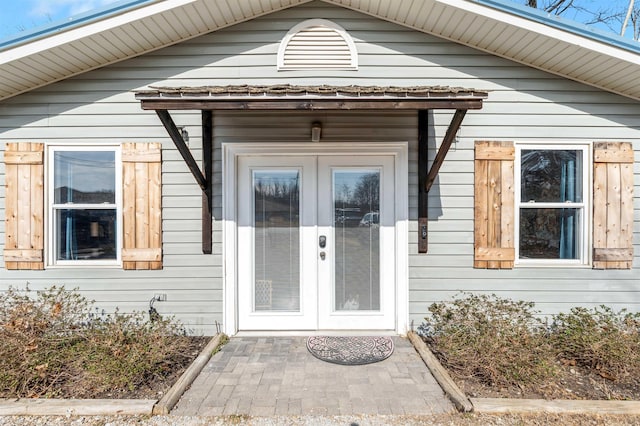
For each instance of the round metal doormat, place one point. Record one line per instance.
(350, 350)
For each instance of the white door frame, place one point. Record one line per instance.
(231, 152)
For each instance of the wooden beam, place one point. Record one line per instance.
(79, 407)
(450, 388)
(556, 406)
(456, 121)
(423, 167)
(176, 137)
(309, 104)
(207, 166)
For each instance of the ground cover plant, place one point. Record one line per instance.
(55, 343)
(496, 347)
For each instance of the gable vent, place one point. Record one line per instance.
(317, 44)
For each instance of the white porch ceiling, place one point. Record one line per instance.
(156, 24)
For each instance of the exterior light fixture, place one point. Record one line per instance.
(184, 134)
(316, 131)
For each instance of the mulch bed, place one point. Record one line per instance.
(571, 382)
(155, 387)
(152, 387)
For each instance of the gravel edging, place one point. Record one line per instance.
(515, 405)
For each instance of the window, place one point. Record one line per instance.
(84, 214)
(552, 200)
(539, 206)
(103, 206)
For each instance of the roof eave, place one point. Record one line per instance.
(624, 59)
(70, 23)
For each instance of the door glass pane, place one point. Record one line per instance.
(356, 204)
(277, 240)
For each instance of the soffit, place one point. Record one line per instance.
(151, 26)
(157, 24)
(527, 41)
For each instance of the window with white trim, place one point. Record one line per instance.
(552, 202)
(84, 208)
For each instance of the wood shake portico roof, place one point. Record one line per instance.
(320, 97)
(311, 98)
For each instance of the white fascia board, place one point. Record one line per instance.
(543, 30)
(90, 29)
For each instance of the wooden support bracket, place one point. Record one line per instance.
(425, 180)
(423, 194)
(207, 195)
(176, 137)
(204, 180)
(456, 121)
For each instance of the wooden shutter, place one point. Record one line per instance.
(142, 205)
(24, 206)
(494, 205)
(612, 205)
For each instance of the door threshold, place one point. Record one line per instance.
(303, 333)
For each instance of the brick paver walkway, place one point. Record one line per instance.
(265, 376)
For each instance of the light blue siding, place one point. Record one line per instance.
(524, 104)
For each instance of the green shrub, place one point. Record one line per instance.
(499, 341)
(599, 339)
(54, 343)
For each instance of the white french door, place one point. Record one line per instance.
(356, 215)
(276, 243)
(316, 242)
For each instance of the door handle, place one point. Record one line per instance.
(322, 241)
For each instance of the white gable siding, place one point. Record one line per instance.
(524, 104)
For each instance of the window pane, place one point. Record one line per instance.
(549, 233)
(551, 175)
(357, 239)
(277, 240)
(86, 234)
(84, 177)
